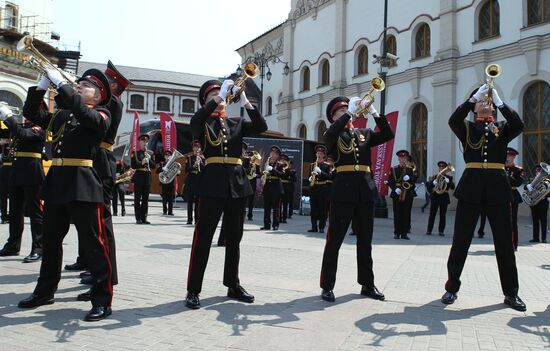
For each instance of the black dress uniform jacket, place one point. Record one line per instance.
(491, 185)
(193, 174)
(224, 180)
(80, 127)
(444, 198)
(394, 181)
(288, 178)
(320, 185)
(355, 186)
(141, 177)
(273, 186)
(26, 138)
(105, 162)
(515, 176)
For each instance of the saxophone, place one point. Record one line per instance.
(313, 174)
(171, 169)
(265, 173)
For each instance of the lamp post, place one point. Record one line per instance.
(262, 61)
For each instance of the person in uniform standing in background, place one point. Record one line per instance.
(193, 167)
(272, 189)
(515, 176)
(288, 179)
(439, 186)
(142, 162)
(25, 183)
(401, 181)
(320, 173)
(484, 186)
(539, 213)
(168, 192)
(253, 171)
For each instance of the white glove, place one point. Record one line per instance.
(317, 170)
(434, 182)
(44, 83)
(269, 168)
(164, 169)
(5, 112)
(496, 98)
(309, 179)
(447, 180)
(353, 104)
(406, 177)
(398, 191)
(254, 176)
(482, 91)
(529, 187)
(54, 76)
(226, 86)
(372, 110)
(244, 99)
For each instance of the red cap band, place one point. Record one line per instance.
(99, 84)
(207, 90)
(120, 79)
(337, 106)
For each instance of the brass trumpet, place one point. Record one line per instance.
(492, 71)
(250, 70)
(376, 84)
(38, 61)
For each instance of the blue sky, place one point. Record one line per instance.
(193, 36)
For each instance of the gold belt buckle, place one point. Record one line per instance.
(484, 165)
(356, 167)
(225, 159)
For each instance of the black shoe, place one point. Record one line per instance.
(321, 230)
(192, 301)
(515, 302)
(123, 213)
(145, 222)
(449, 298)
(35, 301)
(534, 241)
(313, 230)
(85, 274)
(275, 227)
(98, 313)
(5, 221)
(265, 227)
(77, 266)
(405, 236)
(139, 221)
(441, 234)
(249, 218)
(372, 292)
(428, 233)
(170, 214)
(87, 280)
(85, 296)
(115, 214)
(164, 213)
(351, 233)
(328, 295)
(396, 236)
(189, 222)
(32, 257)
(5, 252)
(480, 235)
(240, 294)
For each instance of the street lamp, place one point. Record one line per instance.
(262, 61)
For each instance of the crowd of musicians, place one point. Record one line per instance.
(85, 185)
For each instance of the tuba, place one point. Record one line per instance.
(441, 186)
(249, 72)
(492, 71)
(171, 169)
(38, 61)
(376, 84)
(541, 187)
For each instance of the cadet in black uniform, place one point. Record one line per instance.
(272, 188)
(73, 190)
(401, 181)
(288, 179)
(193, 167)
(223, 186)
(253, 171)
(439, 186)
(168, 192)
(119, 191)
(142, 162)
(5, 171)
(484, 186)
(320, 173)
(539, 214)
(515, 176)
(27, 176)
(353, 192)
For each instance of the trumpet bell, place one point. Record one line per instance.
(378, 84)
(251, 69)
(24, 43)
(493, 70)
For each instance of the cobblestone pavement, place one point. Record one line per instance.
(282, 270)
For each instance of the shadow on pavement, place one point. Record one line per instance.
(538, 325)
(416, 321)
(168, 246)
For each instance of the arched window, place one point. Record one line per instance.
(137, 102)
(488, 22)
(305, 79)
(11, 16)
(422, 41)
(391, 47)
(362, 60)
(302, 132)
(325, 73)
(419, 143)
(269, 106)
(536, 116)
(538, 11)
(321, 128)
(188, 106)
(163, 104)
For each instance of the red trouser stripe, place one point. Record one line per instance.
(104, 244)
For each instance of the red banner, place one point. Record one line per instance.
(381, 156)
(168, 130)
(135, 134)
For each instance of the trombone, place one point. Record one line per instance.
(376, 84)
(249, 71)
(38, 61)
